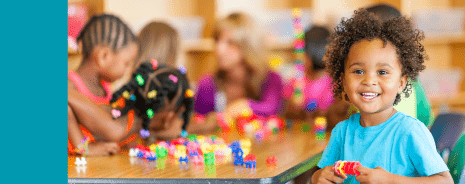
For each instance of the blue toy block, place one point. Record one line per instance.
(152, 158)
(185, 159)
(140, 154)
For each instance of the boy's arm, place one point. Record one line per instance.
(379, 175)
(95, 118)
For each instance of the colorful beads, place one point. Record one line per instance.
(144, 133)
(150, 113)
(140, 79)
(132, 97)
(173, 78)
(115, 113)
(154, 64)
(184, 133)
(189, 93)
(152, 94)
(182, 69)
(126, 94)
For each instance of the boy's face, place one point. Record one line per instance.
(372, 76)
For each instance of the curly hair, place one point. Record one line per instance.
(398, 31)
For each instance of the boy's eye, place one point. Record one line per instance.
(382, 72)
(358, 71)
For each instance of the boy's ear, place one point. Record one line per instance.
(403, 84)
(103, 56)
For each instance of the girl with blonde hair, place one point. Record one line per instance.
(243, 81)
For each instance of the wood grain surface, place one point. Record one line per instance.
(291, 147)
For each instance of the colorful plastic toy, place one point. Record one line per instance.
(209, 159)
(347, 167)
(184, 159)
(271, 160)
(151, 156)
(80, 161)
(197, 159)
(250, 161)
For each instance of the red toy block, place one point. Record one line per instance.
(271, 160)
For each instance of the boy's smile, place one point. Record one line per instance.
(373, 76)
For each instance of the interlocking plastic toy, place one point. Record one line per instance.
(161, 151)
(150, 155)
(238, 159)
(347, 167)
(197, 159)
(271, 160)
(184, 159)
(209, 159)
(250, 161)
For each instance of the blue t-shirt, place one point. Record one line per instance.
(401, 145)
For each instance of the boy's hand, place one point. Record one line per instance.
(371, 176)
(327, 175)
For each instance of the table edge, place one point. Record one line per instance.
(281, 178)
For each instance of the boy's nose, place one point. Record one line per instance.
(369, 80)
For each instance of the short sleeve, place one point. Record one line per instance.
(332, 153)
(421, 150)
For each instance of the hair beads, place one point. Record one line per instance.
(151, 88)
(347, 167)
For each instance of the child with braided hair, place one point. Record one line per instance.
(159, 93)
(108, 50)
(156, 93)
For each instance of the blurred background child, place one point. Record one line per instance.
(158, 41)
(243, 82)
(317, 89)
(109, 48)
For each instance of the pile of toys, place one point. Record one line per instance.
(259, 126)
(249, 123)
(198, 150)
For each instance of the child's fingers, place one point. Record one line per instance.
(363, 169)
(343, 176)
(362, 178)
(332, 176)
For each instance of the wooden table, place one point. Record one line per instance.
(295, 150)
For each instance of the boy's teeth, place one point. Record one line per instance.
(369, 95)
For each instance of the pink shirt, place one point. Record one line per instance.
(82, 88)
(319, 90)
